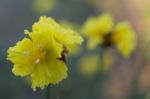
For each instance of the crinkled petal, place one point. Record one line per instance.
(68, 37)
(51, 72)
(20, 55)
(45, 24)
(23, 69)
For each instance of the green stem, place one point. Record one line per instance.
(97, 79)
(48, 92)
(102, 59)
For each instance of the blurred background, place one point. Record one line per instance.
(120, 78)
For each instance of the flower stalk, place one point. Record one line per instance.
(48, 92)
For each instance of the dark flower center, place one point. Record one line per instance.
(107, 40)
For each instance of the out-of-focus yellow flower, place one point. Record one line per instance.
(123, 37)
(41, 55)
(102, 31)
(96, 28)
(92, 64)
(43, 6)
(89, 65)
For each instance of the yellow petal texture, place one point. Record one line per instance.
(38, 56)
(97, 28)
(68, 38)
(124, 38)
(51, 71)
(19, 55)
(73, 49)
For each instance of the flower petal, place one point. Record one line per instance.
(20, 55)
(124, 38)
(51, 72)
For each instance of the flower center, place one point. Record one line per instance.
(107, 41)
(39, 54)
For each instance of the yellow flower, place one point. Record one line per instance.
(96, 28)
(89, 65)
(43, 6)
(41, 55)
(123, 37)
(101, 31)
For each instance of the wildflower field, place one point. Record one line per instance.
(74, 49)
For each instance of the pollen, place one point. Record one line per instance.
(39, 54)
